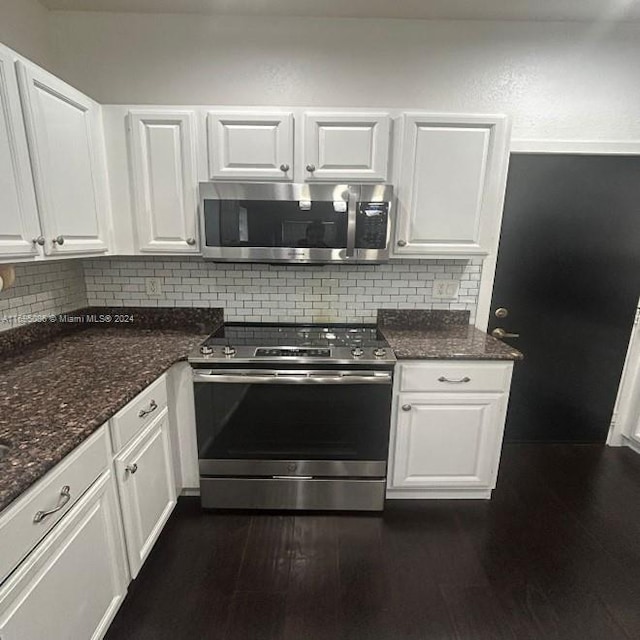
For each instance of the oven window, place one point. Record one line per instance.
(281, 422)
(269, 223)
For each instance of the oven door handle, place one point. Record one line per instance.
(294, 377)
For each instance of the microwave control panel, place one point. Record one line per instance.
(372, 221)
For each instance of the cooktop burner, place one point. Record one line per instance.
(262, 342)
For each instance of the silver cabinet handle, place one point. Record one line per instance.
(459, 381)
(284, 167)
(191, 241)
(311, 168)
(131, 468)
(501, 334)
(65, 496)
(58, 240)
(406, 407)
(39, 240)
(402, 243)
(153, 405)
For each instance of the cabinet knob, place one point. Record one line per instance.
(284, 167)
(191, 241)
(402, 243)
(311, 168)
(39, 240)
(406, 407)
(58, 240)
(131, 468)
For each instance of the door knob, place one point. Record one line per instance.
(58, 240)
(39, 240)
(191, 241)
(501, 334)
(406, 407)
(284, 167)
(311, 168)
(402, 243)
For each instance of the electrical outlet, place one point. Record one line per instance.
(446, 289)
(153, 286)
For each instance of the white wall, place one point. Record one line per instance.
(24, 26)
(557, 80)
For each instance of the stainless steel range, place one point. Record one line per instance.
(293, 416)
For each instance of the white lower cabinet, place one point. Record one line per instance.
(71, 586)
(144, 472)
(447, 443)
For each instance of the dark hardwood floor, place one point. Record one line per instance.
(555, 555)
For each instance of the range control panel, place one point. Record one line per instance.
(372, 221)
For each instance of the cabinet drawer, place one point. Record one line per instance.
(445, 375)
(19, 532)
(139, 413)
(71, 586)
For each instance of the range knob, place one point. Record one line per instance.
(228, 350)
(356, 352)
(379, 352)
(206, 351)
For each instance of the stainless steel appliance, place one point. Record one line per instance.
(293, 417)
(288, 222)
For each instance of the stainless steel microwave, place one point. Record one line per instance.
(289, 222)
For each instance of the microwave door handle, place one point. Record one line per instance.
(351, 224)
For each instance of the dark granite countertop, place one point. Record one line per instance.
(440, 335)
(57, 392)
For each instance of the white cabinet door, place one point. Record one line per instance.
(451, 184)
(164, 180)
(447, 440)
(346, 146)
(250, 145)
(19, 224)
(73, 583)
(63, 130)
(147, 489)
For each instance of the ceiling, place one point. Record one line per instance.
(578, 10)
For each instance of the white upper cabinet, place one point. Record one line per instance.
(451, 186)
(19, 225)
(346, 146)
(250, 145)
(164, 180)
(65, 143)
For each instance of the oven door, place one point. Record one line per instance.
(293, 423)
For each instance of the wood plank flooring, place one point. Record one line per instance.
(555, 555)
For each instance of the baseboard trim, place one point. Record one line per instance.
(439, 494)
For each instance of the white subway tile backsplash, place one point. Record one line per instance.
(259, 293)
(281, 293)
(42, 289)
